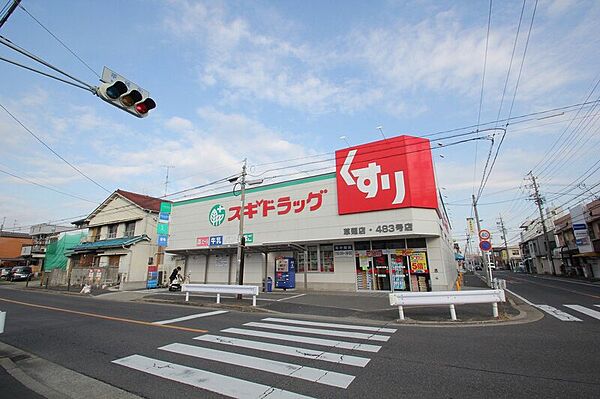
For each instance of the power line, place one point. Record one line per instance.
(44, 186)
(485, 179)
(51, 150)
(60, 41)
(487, 38)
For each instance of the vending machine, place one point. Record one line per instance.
(285, 272)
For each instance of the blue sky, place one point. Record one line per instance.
(281, 80)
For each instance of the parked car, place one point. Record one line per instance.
(4, 272)
(20, 273)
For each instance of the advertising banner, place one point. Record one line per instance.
(418, 262)
(386, 174)
(580, 229)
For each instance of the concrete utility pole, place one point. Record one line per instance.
(241, 241)
(504, 238)
(539, 200)
(488, 277)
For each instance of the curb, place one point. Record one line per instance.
(53, 381)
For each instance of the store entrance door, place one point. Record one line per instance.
(381, 273)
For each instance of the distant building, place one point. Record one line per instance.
(578, 235)
(41, 235)
(11, 248)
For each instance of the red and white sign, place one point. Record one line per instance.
(202, 241)
(386, 174)
(484, 234)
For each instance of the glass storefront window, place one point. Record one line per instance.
(326, 258)
(416, 243)
(318, 259)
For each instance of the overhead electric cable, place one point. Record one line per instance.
(52, 150)
(46, 187)
(484, 182)
(487, 38)
(60, 41)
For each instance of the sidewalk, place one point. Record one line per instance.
(356, 305)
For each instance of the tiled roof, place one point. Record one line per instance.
(143, 201)
(13, 234)
(112, 243)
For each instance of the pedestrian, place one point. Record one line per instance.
(174, 274)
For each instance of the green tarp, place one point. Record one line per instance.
(56, 251)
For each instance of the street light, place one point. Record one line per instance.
(380, 128)
(345, 139)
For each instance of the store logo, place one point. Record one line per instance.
(386, 174)
(217, 214)
(368, 179)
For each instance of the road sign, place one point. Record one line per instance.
(485, 245)
(484, 234)
(162, 240)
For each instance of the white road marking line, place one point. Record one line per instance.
(190, 317)
(318, 331)
(290, 297)
(559, 314)
(597, 305)
(272, 366)
(346, 326)
(338, 358)
(520, 297)
(221, 384)
(306, 340)
(592, 313)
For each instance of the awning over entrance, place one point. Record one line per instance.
(232, 249)
(107, 244)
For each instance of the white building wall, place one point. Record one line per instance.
(190, 221)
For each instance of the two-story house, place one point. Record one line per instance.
(579, 248)
(121, 242)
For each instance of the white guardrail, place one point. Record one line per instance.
(2, 321)
(220, 289)
(450, 298)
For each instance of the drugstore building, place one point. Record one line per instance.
(377, 223)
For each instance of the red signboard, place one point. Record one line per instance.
(386, 174)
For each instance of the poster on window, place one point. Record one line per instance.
(364, 262)
(418, 263)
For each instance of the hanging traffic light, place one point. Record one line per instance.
(121, 93)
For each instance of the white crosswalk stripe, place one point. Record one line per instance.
(590, 312)
(239, 388)
(306, 340)
(334, 325)
(318, 331)
(273, 366)
(287, 350)
(559, 314)
(222, 384)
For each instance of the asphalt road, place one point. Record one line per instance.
(546, 358)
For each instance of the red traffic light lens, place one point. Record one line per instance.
(116, 90)
(145, 106)
(131, 98)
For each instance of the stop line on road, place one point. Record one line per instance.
(288, 330)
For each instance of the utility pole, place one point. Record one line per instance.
(488, 277)
(504, 238)
(241, 240)
(11, 9)
(167, 176)
(539, 200)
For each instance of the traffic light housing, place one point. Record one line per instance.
(123, 94)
